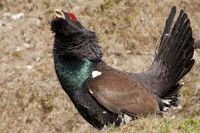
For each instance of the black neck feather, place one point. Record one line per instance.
(82, 45)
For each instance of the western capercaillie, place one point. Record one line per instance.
(104, 95)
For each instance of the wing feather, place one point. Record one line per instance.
(119, 93)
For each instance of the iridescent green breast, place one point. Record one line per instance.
(73, 73)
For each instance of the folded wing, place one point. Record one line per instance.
(119, 93)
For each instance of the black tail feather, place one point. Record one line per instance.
(167, 28)
(174, 57)
(189, 67)
(172, 92)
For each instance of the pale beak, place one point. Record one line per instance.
(59, 14)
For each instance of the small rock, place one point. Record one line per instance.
(17, 16)
(38, 58)
(26, 45)
(18, 49)
(29, 67)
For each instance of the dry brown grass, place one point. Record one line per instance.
(31, 100)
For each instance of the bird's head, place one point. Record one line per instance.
(72, 39)
(65, 23)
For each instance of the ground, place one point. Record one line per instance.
(31, 98)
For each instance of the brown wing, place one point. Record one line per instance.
(121, 94)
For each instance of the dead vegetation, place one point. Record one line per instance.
(129, 31)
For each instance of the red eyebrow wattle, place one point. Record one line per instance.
(71, 15)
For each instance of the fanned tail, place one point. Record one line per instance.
(173, 60)
(175, 53)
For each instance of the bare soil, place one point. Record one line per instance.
(31, 98)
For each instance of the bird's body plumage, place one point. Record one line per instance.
(73, 76)
(104, 95)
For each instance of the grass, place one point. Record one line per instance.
(159, 125)
(129, 30)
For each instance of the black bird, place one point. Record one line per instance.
(104, 95)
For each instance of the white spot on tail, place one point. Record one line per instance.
(165, 109)
(166, 101)
(125, 118)
(95, 74)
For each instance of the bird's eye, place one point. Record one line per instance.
(72, 16)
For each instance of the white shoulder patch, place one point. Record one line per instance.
(91, 92)
(95, 74)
